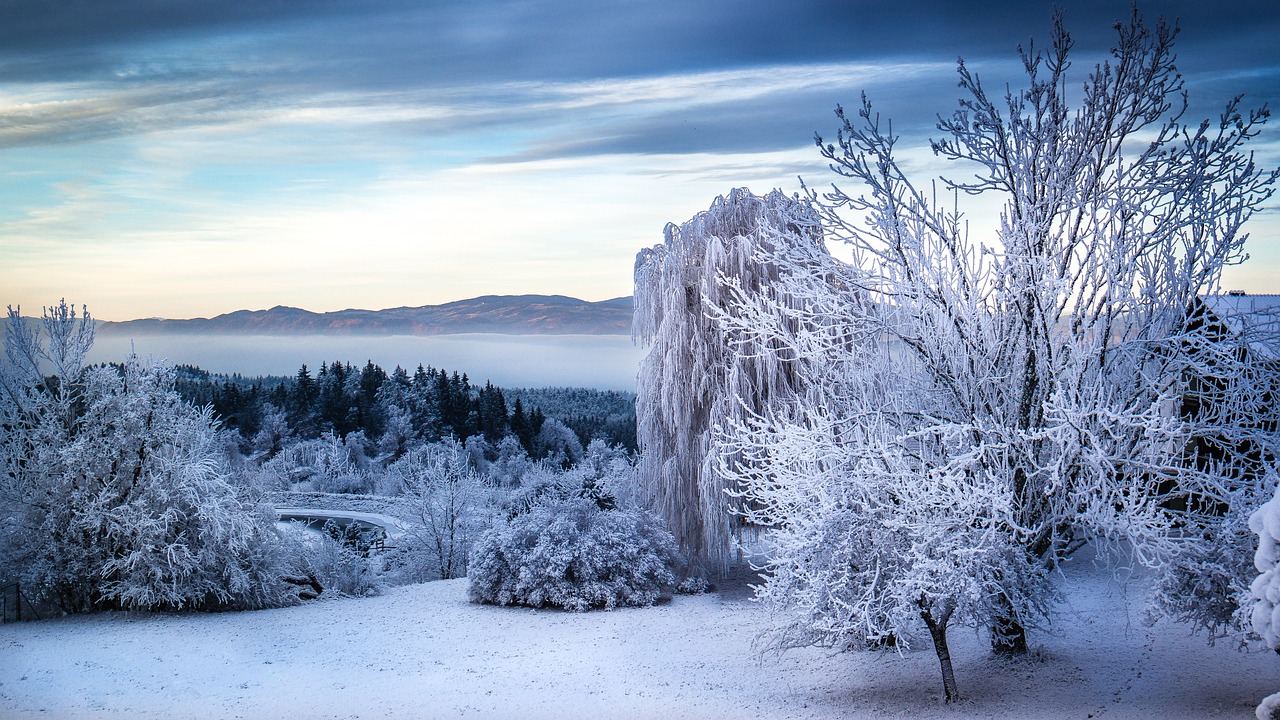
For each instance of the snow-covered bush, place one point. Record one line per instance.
(325, 464)
(114, 490)
(1265, 588)
(1207, 584)
(573, 555)
(335, 566)
(542, 485)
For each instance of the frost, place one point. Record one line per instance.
(1265, 522)
(573, 555)
(699, 372)
(959, 414)
(114, 491)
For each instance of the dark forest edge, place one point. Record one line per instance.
(393, 410)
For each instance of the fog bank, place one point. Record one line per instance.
(605, 362)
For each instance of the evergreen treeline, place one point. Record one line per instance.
(590, 413)
(394, 409)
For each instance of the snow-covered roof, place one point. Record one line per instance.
(1255, 319)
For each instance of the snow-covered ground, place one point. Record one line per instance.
(423, 651)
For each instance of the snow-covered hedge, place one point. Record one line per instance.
(575, 555)
(1265, 521)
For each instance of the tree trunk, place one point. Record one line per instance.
(938, 631)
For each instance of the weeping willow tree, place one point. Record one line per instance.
(702, 370)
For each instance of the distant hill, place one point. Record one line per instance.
(499, 314)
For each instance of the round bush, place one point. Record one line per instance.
(574, 555)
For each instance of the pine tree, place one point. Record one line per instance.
(303, 402)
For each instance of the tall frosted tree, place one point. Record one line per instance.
(1041, 368)
(698, 372)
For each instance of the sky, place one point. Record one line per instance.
(178, 158)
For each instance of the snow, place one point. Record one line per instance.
(392, 526)
(1265, 521)
(1253, 318)
(423, 651)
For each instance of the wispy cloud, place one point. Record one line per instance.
(340, 153)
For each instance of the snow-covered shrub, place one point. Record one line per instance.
(605, 475)
(351, 483)
(541, 485)
(338, 568)
(1265, 588)
(1207, 584)
(1269, 708)
(573, 555)
(325, 464)
(693, 585)
(115, 492)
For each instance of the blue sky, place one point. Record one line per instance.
(185, 159)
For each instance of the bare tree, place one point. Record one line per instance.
(1044, 368)
(443, 504)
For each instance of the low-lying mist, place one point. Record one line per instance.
(605, 362)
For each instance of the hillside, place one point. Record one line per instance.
(497, 314)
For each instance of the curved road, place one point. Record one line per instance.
(390, 526)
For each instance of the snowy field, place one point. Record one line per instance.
(423, 651)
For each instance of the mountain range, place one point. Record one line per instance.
(498, 314)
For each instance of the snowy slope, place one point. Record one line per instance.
(423, 651)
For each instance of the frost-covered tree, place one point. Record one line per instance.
(879, 528)
(1046, 363)
(273, 432)
(398, 433)
(696, 374)
(609, 470)
(557, 443)
(114, 489)
(510, 463)
(1231, 395)
(444, 504)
